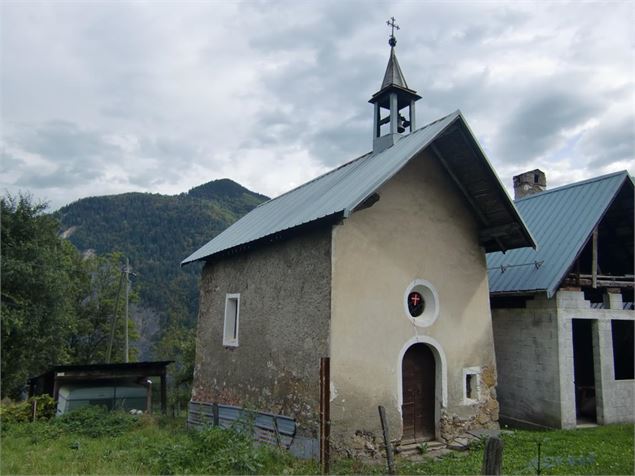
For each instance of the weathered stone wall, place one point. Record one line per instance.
(484, 414)
(283, 329)
(421, 228)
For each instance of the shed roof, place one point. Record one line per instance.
(336, 194)
(562, 220)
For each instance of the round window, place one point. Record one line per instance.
(421, 303)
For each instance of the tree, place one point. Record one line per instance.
(56, 304)
(36, 284)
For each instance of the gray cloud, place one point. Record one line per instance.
(539, 123)
(116, 97)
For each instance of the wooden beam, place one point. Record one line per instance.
(459, 185)
(594, 259)
(492, 232)
(600, 283)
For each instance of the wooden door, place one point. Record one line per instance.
(418, 373)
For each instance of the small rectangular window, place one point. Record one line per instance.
(232, 312)
(622, 334)
(471, 385)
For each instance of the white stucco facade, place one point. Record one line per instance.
(420, 231)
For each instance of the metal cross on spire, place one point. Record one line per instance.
(391, 23)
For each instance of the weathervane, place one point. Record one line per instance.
(391, 23)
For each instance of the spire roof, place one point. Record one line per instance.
(394, 75)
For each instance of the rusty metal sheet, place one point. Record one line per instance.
(262, 425)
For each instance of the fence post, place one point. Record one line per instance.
(33, 409)
(325, 414)
(388, 446)
(215, 414)
(492, 457)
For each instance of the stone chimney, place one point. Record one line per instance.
(529, 183)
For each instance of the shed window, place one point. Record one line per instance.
(232, 313)
(622, 333)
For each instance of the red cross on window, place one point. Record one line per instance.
(415, 298)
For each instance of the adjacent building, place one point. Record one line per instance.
(563, 312)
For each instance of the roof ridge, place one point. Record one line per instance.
(345, 164)
(574, 184)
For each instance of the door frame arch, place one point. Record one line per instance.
(440, 380)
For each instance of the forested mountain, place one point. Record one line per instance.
(156, 232)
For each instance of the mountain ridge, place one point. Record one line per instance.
(156, 232)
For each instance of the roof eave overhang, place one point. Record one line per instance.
(268, 239)
(468, 165)
(410, 93)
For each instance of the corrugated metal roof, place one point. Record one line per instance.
(339, 191)
(561, 220)
(393, 74)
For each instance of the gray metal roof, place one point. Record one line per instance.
(337, 193)
(561, 220)
(393, 74)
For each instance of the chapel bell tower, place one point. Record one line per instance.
(394, 96)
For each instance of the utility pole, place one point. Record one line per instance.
(113, 321)
(126, 356)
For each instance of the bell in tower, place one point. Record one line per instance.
(393, 96)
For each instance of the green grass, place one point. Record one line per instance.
(126, 445)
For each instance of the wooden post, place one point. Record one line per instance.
(594, 260)
(276, 431)
(493, 457)
(384, 429)
(215, 414)
(164, 393)
(149, 396)
(33, 409)
(325, 414)
(56, 388)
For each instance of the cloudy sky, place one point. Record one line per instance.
(109, 97)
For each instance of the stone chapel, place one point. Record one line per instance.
(378, 268)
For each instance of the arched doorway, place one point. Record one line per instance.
(418, 391)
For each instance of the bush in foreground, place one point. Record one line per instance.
(16, 412)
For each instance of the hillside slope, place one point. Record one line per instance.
(156, 232)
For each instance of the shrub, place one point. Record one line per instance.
(96, 421)
(212, 451)
(11, 412)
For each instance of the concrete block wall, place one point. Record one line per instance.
(526, 345)
(534, 356)
(615, 399)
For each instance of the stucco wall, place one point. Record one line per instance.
(283, 329)
(526, 343)
(420, 228)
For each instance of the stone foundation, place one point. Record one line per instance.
(485, 415)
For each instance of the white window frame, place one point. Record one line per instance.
(231, 340)
(431, 298)
(476, 389)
